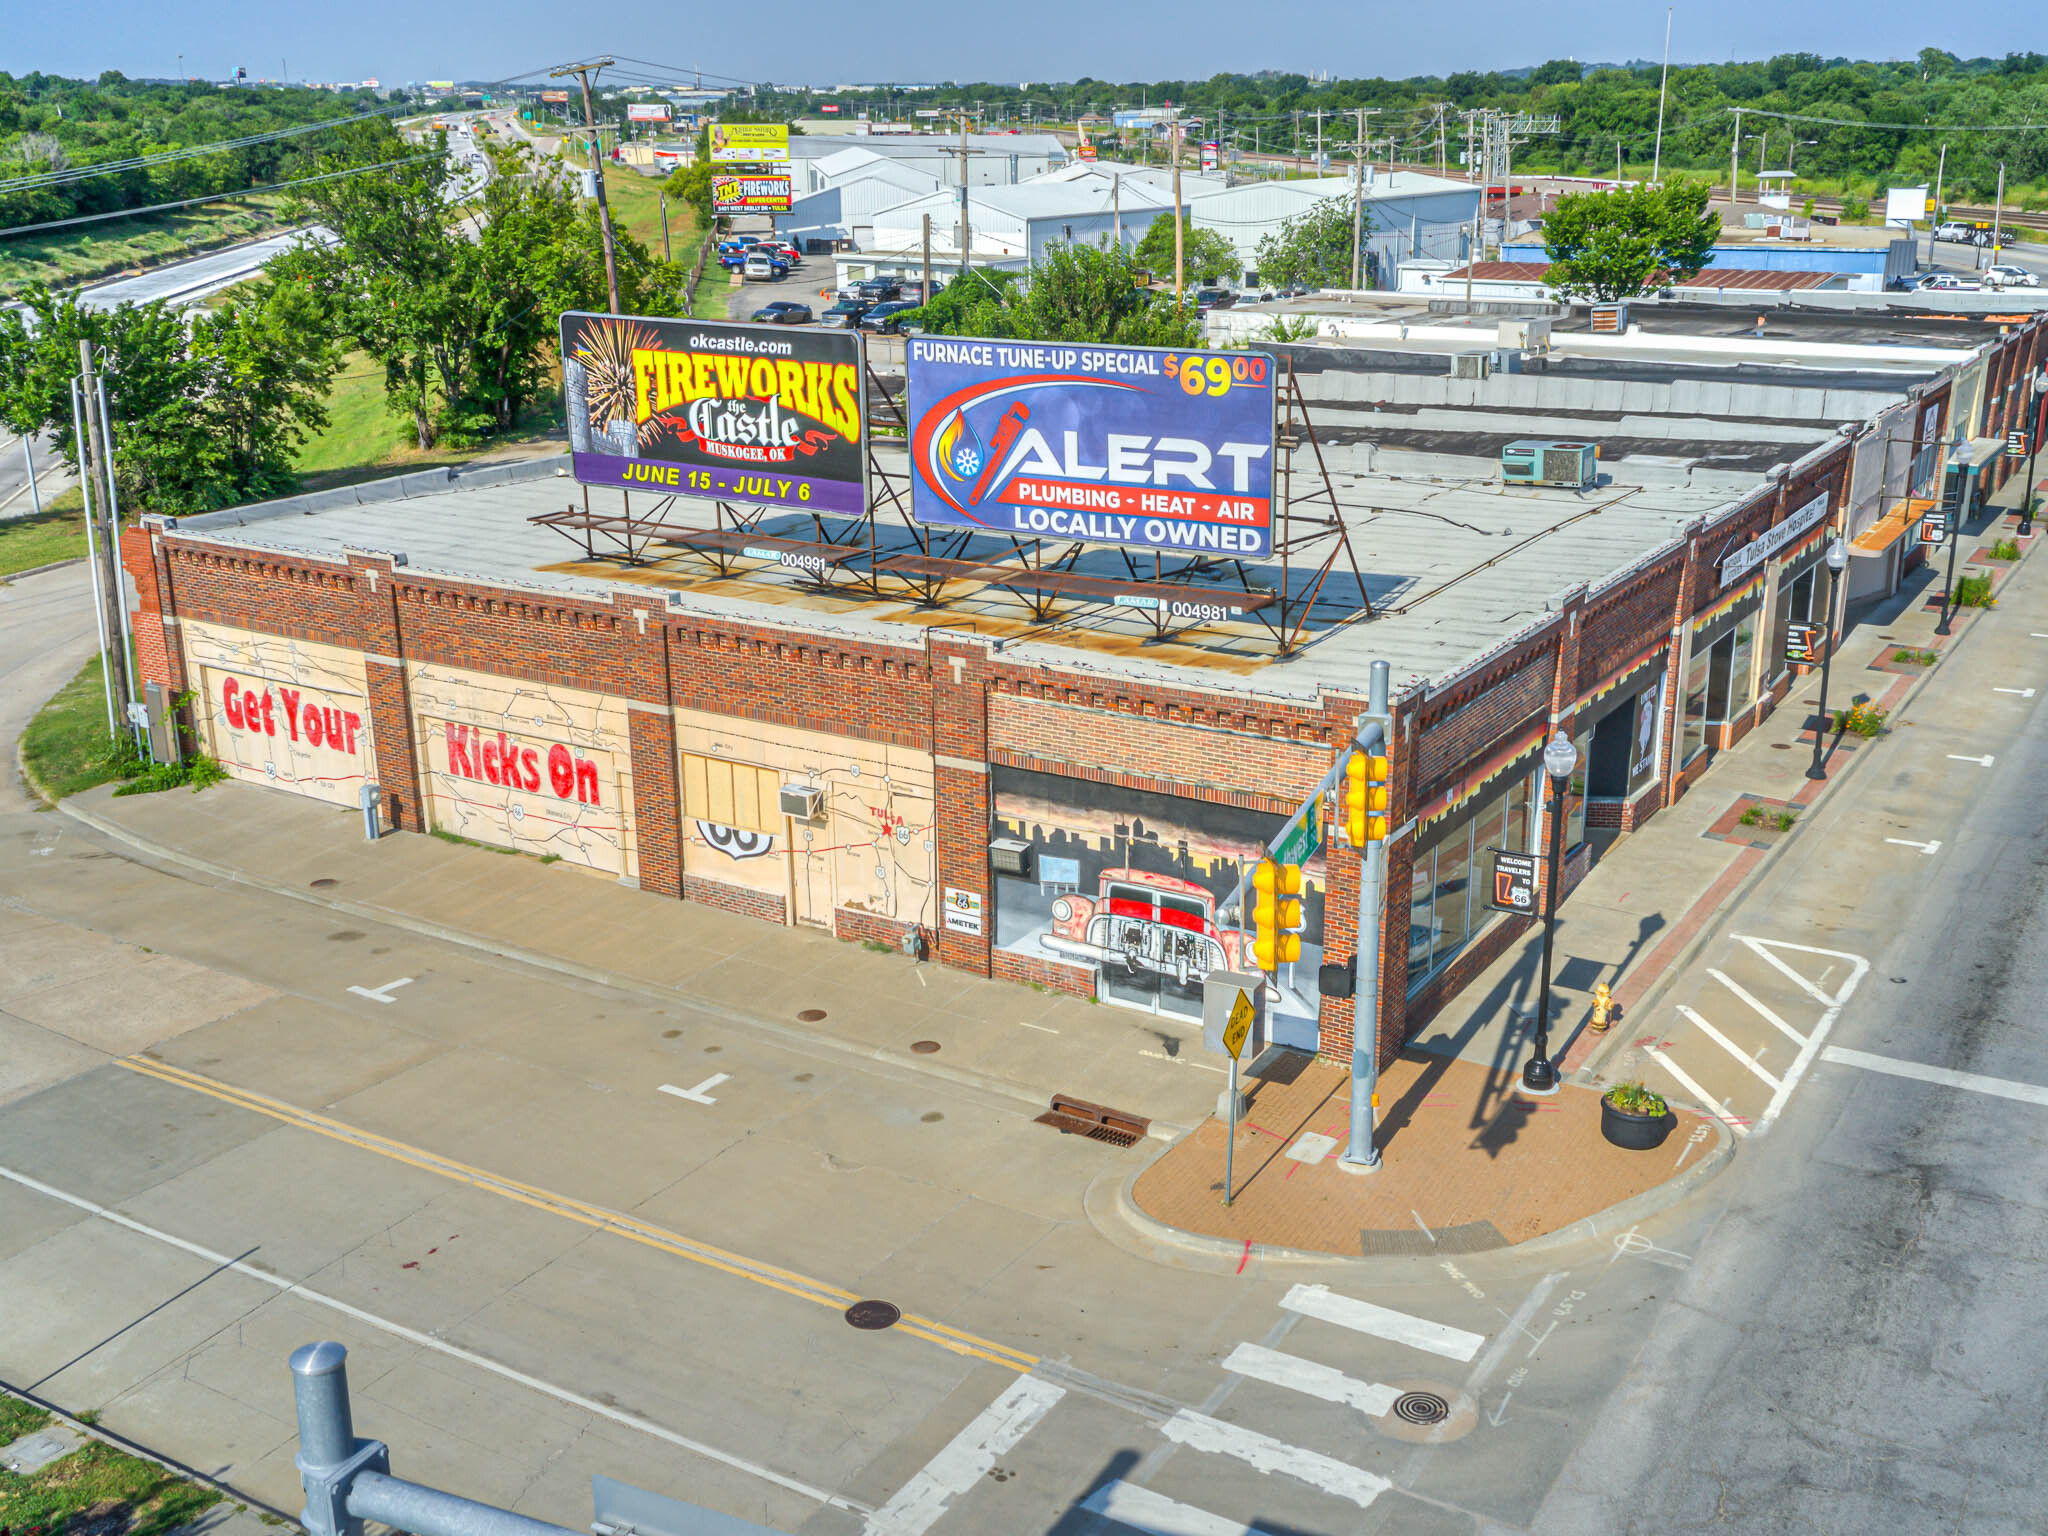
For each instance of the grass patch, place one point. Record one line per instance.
(63, 257)
(66, 746)
(57, 534)
(18, 1418)
(364, 439)
(99, 1489)
(469, 842)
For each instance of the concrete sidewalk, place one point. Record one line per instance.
(1643, 908)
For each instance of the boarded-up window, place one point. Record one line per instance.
(732, 794)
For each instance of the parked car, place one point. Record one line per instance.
(759, 268)
(845, 315)
(879, 290)
(738, 243)
(1948, 282)
(888, 317)
(1206, 299)
(2011, 277)
(1959, 233)
(784, 312)
(784, 249)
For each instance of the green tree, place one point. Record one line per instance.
(1205, 255)
(1091, 293)
(1312, 249)
(1609, 245)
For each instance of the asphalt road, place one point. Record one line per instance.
(568, 1230)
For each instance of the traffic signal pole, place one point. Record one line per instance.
(1362, 1154)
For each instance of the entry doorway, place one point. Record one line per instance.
(1608, 761)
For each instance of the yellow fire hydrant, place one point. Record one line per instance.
(1603, 1007)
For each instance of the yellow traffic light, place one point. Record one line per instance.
(1276, 914)
(1368, 795)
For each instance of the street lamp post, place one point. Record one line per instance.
(1560, 757)
(2039, 386)
(1958, 460)
(1837, 560)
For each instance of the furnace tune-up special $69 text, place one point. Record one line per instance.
(736, 413)
(1145, 446)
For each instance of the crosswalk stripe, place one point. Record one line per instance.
(1143, 1510)
(1383, 1322)
(965, 1459)
(1199, 1432)
(1311, 1377)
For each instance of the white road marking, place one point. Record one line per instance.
(1154, 1513)
(1185, 1061)
(1383, 1322)
(1310, 1377)
(1043, 1029)
(1497, 1351)
(965, 1459)
(1200, 1432)
(1927, 848)
(1948, 1077)
(699, 1094)
(439, 1346)
(1742, 992)
(1858, 969)
(2025, 693)
(1727, 1045)
(1700, 1095)
(379, 994)
(1982, 762)
(1494, 1418)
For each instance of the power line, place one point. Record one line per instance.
(218, 197)
(1846, 122)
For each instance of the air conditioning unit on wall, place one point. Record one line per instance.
(1552, 462)
(1471, 365)
(801, 802)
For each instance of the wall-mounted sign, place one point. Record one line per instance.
(2016, 443)
(1766, 544)
(750, 143)
(1145, 446)
(726, 412)
(963, 911)
(755, 194)
(1514, 882)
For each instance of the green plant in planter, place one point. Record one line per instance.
(2006, 549)
(1916, 658)
(1864, 719)
(1973, 592)
(1635, 1099)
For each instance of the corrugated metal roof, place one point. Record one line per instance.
(1712, 277)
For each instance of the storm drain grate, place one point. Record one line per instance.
(324, 882)
(1421, 1408)
(1077, 1117)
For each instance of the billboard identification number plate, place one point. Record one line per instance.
(1146, 446)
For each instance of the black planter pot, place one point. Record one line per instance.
(1638, 1133)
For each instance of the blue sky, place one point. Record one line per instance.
(397, 40)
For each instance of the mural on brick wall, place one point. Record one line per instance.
(1125, 884)
(541, 769)
(293, 714)
(870, 847)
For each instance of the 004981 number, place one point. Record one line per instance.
(1216, 374)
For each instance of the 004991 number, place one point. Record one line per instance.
(1216, 374)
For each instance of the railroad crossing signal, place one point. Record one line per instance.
(1368, 794)
(1276, 914)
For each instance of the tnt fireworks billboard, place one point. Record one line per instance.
(743, 413)
(750, 143)
(756, 194)
(1144, 446)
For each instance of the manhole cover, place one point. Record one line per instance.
(924, 1047)
(325, 881)
(810, 1015)
(1781, 746)
(1421, 1408)
(873, 1315)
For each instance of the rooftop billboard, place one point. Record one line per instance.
(727, 412)
(1143, 446)
(743, 194)
(750, 143)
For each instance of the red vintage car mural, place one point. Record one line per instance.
(1154, 924)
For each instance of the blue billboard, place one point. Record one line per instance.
(1145, 446)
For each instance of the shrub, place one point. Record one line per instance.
(2006, 549)
(1635, 1099)
(1864, 719)
(1855, 210)
(1916, 658)
(1973, 592)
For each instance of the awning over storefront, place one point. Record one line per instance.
(1893, 526)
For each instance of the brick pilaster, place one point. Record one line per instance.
(644, 680)
(375, 583)
(965, 807)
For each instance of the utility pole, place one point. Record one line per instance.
(1358, 201)
(1657, 159)
(925, 294)
(963, 194)
(1179, 232)
(95, 469)
(1940, 171)
(1319, 115)
(665, 256)
(1998, 217)
(582, 73)
(1734, 162)
(1116, 205)
(1297, 140)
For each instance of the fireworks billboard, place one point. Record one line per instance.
(750, 143)
(755, 194)
(726, 412)
(1143, 446)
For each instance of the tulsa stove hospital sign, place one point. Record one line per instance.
(1143, 446)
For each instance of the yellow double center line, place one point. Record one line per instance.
(596, 1217)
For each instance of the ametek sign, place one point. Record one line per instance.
(1144, 446)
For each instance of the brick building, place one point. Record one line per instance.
(1063, 797)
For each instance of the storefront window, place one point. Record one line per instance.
(1421, 922)
(1453, 885)
(1795, 600)
(1693, 739)
(1575, 794)
(1448, 888)
(1741, 668)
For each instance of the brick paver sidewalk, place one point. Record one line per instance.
(1468, 1163)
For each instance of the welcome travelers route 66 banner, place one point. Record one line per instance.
(745, 413)
(1146, 446)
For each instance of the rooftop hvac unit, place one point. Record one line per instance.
(1532, 462)
(1471, 365)
(1526, 335)
(1610, 318)
(801, 802)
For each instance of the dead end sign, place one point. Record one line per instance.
(1242, 1014)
